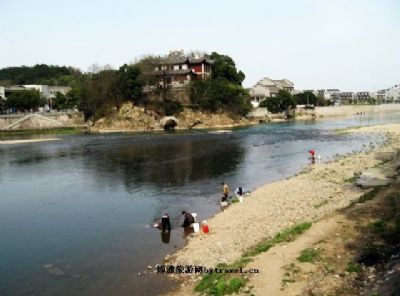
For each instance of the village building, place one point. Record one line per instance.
(347, 96)
(177, 70)
(393, 94)
(363, 96)
(267, 87)
(48, 92)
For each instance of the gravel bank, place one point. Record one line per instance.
(273, 207)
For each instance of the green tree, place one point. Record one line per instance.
(306, 98)
(283, 102)
(25, 100)
(99, 94)
(220, 94)
(39, 74)
(225, 67)
(129, 83)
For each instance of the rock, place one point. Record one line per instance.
(53, 270)
(149, 267)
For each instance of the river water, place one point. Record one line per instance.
(85, 205)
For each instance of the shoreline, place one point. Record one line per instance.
(332, 112)
(273, 207)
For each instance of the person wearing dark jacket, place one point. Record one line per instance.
(187, 219)
(165, 223)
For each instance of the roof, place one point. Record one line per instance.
(173, 72)
(201, 60)
(179, 61)
(333, 89)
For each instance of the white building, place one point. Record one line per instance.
(48, 92)
(393, 94)
(2, 93)
(267, 87)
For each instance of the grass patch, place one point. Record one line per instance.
(309, 255)
(322, 203)
(286, 235)
(351, 179)
(378, 226)
(353, 267)
(369, 195)
(51, 131)
(225, 282)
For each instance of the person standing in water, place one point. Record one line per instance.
(165, 223)
(225, 191)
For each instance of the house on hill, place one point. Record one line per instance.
(177, 70)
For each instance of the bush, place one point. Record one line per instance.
(173, 108)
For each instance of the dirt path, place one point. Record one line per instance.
(271, 264)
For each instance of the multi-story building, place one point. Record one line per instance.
(363, 96)
(347, 96)
(393, 94)
(267, 87)
(48, 92)
(177, 70)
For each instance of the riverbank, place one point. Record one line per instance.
(134, 119)
(7, 134)
(307, 197)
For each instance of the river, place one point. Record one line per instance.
(83, 206)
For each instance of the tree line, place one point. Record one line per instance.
(99, 92)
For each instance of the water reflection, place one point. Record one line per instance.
(169, 165)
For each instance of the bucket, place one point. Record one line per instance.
(240, 198)
(205, 228)
(196, 227)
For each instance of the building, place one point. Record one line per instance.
(177, 70)
(363, 96)
(347, 96)
(2, 93)
(47, 92)
(380, 95)
(323, 93)
(393, 94)
(267, 87)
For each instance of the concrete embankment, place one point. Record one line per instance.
(36, 121)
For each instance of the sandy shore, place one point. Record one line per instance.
(10, 142)
(308, 196)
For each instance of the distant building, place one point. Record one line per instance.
(323, 93)
(393, 94)
(2, 93)
(47, 92)
(267, 87)
(363, 96)
(347, 96)
(380, 95)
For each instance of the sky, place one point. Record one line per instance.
(352, 45)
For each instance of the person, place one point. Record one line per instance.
(165, 237)
(187, 219)
(312, 153)
(225, 191)
(165, 223)
(239, 191)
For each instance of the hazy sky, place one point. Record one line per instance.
(351, 45)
